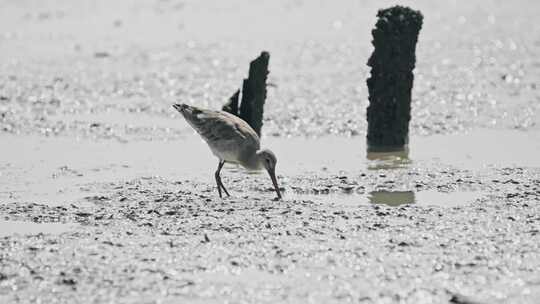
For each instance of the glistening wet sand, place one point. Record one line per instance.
(89, 141)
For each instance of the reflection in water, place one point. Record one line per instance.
(391, 198)
(397, 198)
(393, 159)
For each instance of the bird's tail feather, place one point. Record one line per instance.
(186, 110)
(190, 113)
(180, 107)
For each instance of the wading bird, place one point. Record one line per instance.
(231, 140)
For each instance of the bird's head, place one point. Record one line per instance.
(268, 160)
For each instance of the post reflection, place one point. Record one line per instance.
(381, 159)
(392, 198)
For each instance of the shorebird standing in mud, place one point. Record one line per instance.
(232, 140)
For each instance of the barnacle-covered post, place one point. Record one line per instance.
(391, 81)
(254, 92)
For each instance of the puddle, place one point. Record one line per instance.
(49, 193)
(9, 228)
(474, 150)
(58, 171)
(425, 198)
(52, 170)
(398, 198)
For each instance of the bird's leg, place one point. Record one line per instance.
(218, 179)
(220, 182)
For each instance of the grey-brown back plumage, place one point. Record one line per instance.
(229, 137)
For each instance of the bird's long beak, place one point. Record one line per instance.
(274, 181)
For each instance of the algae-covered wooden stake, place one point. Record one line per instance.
(232, 105)
(254, 92)
(391, 81)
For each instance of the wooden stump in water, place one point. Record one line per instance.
(232, 105)
(394, 37)
(253, 94)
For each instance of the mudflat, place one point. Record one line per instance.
(107, 195)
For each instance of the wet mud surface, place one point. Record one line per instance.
(150, 239)
(353, 235)
(106, 195)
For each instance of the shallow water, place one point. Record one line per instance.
(474, 150)
(8, 228)
(33, 169)
(397, 198)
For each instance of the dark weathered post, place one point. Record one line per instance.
(390, 84)
(232, 105)
(254, 92)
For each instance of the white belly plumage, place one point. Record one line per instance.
(227, 152)
(232, 152)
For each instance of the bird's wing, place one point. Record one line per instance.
(219, 126)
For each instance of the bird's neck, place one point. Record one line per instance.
(253, 163)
